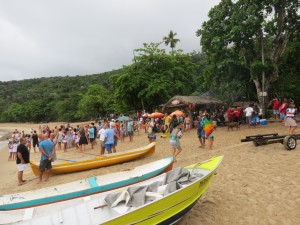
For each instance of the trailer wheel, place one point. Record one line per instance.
(289, 143)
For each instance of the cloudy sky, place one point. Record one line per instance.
(41, 38)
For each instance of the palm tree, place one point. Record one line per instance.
(170, 39)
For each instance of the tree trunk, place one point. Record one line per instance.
(262, 100)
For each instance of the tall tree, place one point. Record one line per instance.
(155, 77)
(94, 103)
(253, 33)
(171, 40)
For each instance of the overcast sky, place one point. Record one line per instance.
(40, 38)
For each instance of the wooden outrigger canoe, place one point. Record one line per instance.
(70, 166)
(158, 206)
(89, 186)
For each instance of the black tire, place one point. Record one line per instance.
(289, 143)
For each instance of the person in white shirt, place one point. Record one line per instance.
(249, 110)
(289, 120)
(102, 137)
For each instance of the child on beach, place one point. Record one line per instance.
(77, 138)
(65, 140)
(174, 142)
(10, 150)
(14, 150)
(150, 131)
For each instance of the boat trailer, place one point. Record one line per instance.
(289, 141)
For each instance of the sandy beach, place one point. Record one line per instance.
(254, 185)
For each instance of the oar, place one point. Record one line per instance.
(70, 160)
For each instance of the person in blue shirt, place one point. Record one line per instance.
(200, 131)
(174, 142)
(91, 132)
(109, 139)
(130, 130)
(47, 149)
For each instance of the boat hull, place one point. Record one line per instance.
(97, 162)
(92, 185)
(163, 209)
(169, 209)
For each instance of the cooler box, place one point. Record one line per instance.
(263, 122)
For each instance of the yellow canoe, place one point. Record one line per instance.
(70, 166)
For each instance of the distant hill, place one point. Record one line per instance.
(48, 95)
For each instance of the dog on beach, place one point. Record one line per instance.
(232, 125)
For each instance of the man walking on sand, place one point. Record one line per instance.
(47, 149)
(22, 160)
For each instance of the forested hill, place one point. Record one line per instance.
(47, 98)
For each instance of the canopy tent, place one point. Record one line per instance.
(177, 113)
(156, 115)
(191, 102)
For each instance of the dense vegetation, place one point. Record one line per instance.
(241, 41)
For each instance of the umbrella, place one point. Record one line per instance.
(157, 115)
(123, 118)
(177, 113)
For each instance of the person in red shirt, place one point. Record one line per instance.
(283, 108)
(236, 113)
(276, 104)
(229, 114)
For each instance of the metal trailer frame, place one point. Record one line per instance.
(289, 141)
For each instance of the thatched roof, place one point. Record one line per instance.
(183, 101)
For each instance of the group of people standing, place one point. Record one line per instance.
(46, 141)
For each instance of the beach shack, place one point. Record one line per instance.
(192, 104)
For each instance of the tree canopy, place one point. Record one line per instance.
(251, 34)
(154, 77)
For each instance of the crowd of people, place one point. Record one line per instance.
(109, 132)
